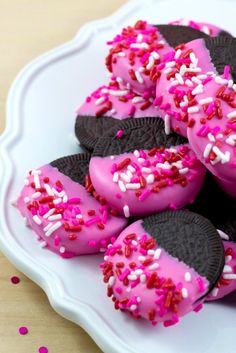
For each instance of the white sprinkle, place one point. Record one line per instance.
(128, 289)
(137, 99)
(202, 77)
(167, 124)
(121, 53)
(151, 252)
(230, 83)
(230, 141)
(139, 38)
(228, 258)
(170, 64)
(193, 58)
(194, 109)
(45, 229)
(219, 136)
(65, 199)
(36, 195)
(49, 213)
(187, 277)
(112, 157)
(79, 216)
(138, 300)
(206, 29)
(174, 82)
(139, 45)
(36, 181)
(26, 199)
(118, 93)
(227, 158)
(132, 277)
(36, 172)
(119, 79)
(133, 186)
(121, 186)
(102, 249)
(178, 53)
(206, 100)
(138, 76)
(153, 266)
(57, 201)
(133, 307)
(232, 115)
(179, 78)
(183, 104)
(189, 83)
(36, 219)
(61, 194)
(131, 169)
(115, 177)
(143, 278)
(157, 254)
(141, 258)
(163, 166)
(210, 73)
(197, 90)
(43, 244)
(167, 71)
(227, 268)
(151, 62)
(62, 249)
(211, 137)
(229, 276)
(207, 150)
(215, 292)
(111, 281)
(55, 217)
(234, 87)
(106, 258)
(146, 170)
(49, 190)
(150, 179)
(221, 155)
(184, 292)
(141, 69)
(192, 69)
(125, 177)
(26, 222)
(136, 154)
(129, 174)
(183, 170)
(215, 161)
(134, 242)
(182, 70)
(126, 211)
(26, 182)
(138, 272)
(100, 101)
(155, 55)
(141, 160)
(53, 228)
(221, 81)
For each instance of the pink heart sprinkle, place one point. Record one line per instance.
(43, 350)
(23, 330)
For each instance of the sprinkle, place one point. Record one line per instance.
(228, 258)
(155, 55)
(229, 276)
(221, 155)
(138, 76)
(141, 258)
(37, 220)
(15, 280)
(211, 137)
(227, 268)
(189, 83)
(126, 211)
(49, 190)
(150, 178)
(184, 292)
(179, 78)
(157, 254)
(151, 62)
(220, 80)
(100, 100)
(137, 99)
(119, 133)
(57, 201)
(121, 186)
(143, 278)
(197, 90)
(23, 330)
(133, 186)
(207, 150)
(62, 249)
(36, 181)
(183, 170)
(136, 153)
(43, 244)
(49, 213)
(111, 281)
(139, 45)
(187, 277)
(133, 307)
(125, 177)
(132, 277)
(26, 181)
(206, 100)
(43, 349)
(178, 53)
(144, 195)
(194, 109)
(167, 124)
(232, 115)
(146, 170)
(26, 199)
(118, 93)
(120, 54)
(223, 235)
(53, 228)
(55, 217)
(115, 177)
(215, 292)
(36, 195)
(153, 266)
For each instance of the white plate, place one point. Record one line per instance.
(40, 119)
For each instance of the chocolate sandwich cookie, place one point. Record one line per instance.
(105, 107)
(59, 203)
(145, 171)
(162, 267)
(207, 28)
(136, 54)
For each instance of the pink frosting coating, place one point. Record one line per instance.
(214, 141)
(135, 55)
(174, 96)
(77, 224)
(144, 279)
(148, 184)
(122, 103)
(227, 281)
(228, 186)
(207, 28)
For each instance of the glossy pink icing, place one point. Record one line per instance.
(228, 186)
(174, 195)
(227, 281)
(168, 89)
(123, 103)
(214, 142)
(207, 28)
(133, 286)
(133, 50)
(75, 203)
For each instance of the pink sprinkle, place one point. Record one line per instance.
(198, 308)
(57, 240)
(135, 283)
(92, 243)
(118, 290)
(172, 89)
(74, 200)
(144, 195)
(215, 130)
(165, 106)
(23, 330)
(119, 133)
(15, 280)
(43, 350)
(144, 58)
(160, 66)
(201, 284)
(210, 108)
(124, 274)
(226, 72)
(132, 110)
(143, 251)
(92, 221)
(88, 99)
(142, 154)
(208, 79)
(104, 216)
(113, 168)
(158, 100)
